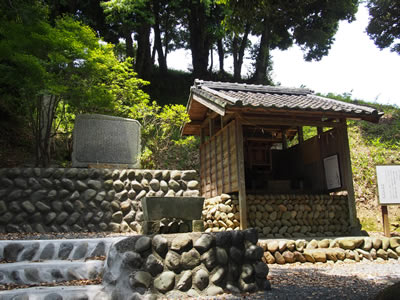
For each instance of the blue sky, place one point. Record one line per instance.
(354, 65)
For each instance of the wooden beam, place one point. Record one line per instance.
(319, 114)
(253, 121)
(241, 175)
(256, 139)
(211, 105)
(210, 116)
(195, 123)
(300, 134)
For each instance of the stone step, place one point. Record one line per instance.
(42, 250)
(23, 273)
(88, 292)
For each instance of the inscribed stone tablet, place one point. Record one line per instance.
(100, 139)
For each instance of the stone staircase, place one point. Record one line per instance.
(53, 269)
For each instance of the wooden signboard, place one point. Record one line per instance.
(388, 182)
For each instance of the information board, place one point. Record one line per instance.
(332, 172)
(388, 181)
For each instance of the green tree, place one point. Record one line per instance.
(44, 65)
(237, 23)
(384, 24)
(133, 18)
(310, 24)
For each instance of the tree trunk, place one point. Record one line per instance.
(211, 61)
(153, 55)
(199, 39)
(162, 60)
(129, 43)
(262, 60)
(238, 53)
(42, 122)
(221, 55)
(143, 57)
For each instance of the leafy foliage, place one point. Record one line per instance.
(164, 147)
(46, 65)
(202, 26)
(384, 24)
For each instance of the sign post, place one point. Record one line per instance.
(388, 181)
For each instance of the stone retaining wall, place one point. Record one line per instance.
(280, 216)
(347, 249)
(185, 265)
(221, 213)
(64, 200)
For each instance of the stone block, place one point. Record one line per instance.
(100, 139)
(185, 208)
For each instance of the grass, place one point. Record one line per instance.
(369, 224)
(373, 144)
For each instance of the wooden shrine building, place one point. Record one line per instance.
(253, 138)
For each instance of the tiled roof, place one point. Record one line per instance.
(227, 95)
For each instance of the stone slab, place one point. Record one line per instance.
(100, 139)
(185, 208)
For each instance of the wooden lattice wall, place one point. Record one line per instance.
(219, 163)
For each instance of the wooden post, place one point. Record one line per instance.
(211, 127)
(229, 156)
(217, 179)
(300, 134)
(222, 160)
(241, 178)
(385, 220)
(348, 175)
(203, 180)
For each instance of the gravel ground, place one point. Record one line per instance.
(329, 281)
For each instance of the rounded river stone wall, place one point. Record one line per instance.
(348, 249)
(186, 265)
(75, 199)
(285, 216)
(221, 213)
(280, 216)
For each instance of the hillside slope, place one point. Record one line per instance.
(371, 145)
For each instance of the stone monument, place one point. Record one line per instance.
(100, 140)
